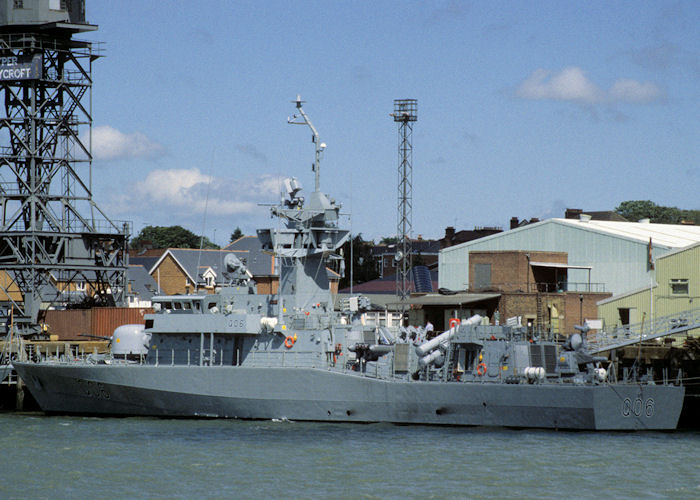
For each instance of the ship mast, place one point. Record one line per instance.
(320, 146)
(308, 242)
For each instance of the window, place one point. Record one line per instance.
(679, 286)
(19, 4)
(209, 278)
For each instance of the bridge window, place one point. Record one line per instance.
(679, 286)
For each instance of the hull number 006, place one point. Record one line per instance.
(638, 407)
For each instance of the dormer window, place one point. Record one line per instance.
(209, 277)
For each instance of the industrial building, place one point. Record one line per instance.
(674, 289)
(603, 256)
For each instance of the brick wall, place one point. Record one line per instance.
(171, 277)
(590, 309)
(566, 307)
(510, 270)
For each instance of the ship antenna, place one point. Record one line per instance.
(320, 146)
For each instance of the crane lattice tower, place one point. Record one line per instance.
(52, 233)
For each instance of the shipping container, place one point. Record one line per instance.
(106, 319)
(79, 324)
(68, 324)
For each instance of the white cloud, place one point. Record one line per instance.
(571, 84)
(171, 185)
(191, 191)
(109, 143)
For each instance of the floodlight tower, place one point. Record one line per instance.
(405, 113)
(52, 233)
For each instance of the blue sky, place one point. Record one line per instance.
(524, 108)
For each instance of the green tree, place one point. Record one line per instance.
(236, 235)
(364, 266)
(170, 237)
(388, 240)
(692, 216)
(635, 210)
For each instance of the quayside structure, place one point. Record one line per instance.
(52, 233)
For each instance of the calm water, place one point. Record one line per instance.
(72, 457)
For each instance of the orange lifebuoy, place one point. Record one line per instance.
(481, 369)
(454, 322)
(289, 342)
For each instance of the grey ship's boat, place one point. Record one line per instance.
(238, 354)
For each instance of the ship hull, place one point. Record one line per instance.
(324, 395)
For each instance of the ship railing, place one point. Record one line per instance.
(66, 354)
(635, 333)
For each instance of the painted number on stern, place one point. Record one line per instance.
(638, 407)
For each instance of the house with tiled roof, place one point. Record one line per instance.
(185, 270)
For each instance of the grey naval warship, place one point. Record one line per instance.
(290, 355)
